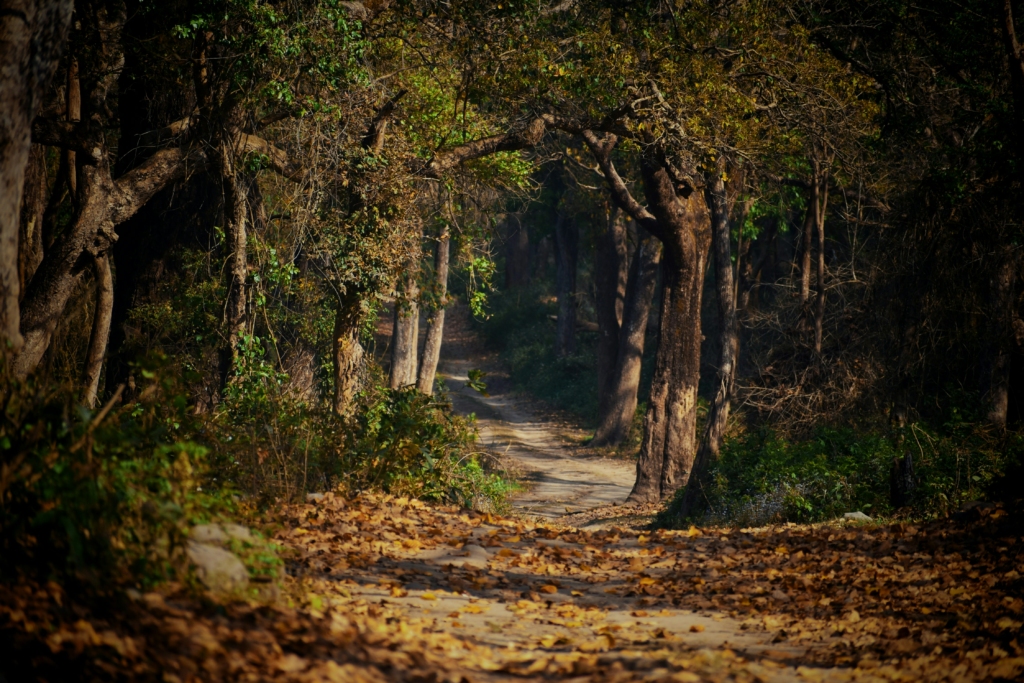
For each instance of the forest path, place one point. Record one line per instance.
(560, 477)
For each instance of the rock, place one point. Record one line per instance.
(314, 497)
(857, 517)
(780, 596)
(219, 534)
(219, 570)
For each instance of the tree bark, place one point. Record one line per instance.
(669, 442)
(805, 258)
(100, 329)
(235, 214)
(820, 207)
(1000, 335)
(435, 325)
(32, 36)
(517, 253)
(567, 242)
(347, 354)
(617, 420)
(405, 334)
(718, 415)
(33, 208)
(611, 271)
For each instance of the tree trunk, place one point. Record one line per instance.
(820, 206)
(100, 329)
(32, 36)
(435, 326)
(405, 333)
(805, 257)
(347, 354)
(617, 420)
(611, 271)
(718, 416)
(33, 208)
(751, 268)
(235, 213)
(517, 253)
(567, 242)
(668, 447)
(1000, 336)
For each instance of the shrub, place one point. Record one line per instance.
(106, 493)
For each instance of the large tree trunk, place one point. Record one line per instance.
(669, 442)
(611, 271)
(517, 253)
(567, 242)
(435, 325)
(32, 36)
(617, 420)
(718, 415)
(347, 354)
(100, 329)
(405, 333)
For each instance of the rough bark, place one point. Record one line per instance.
(100, 329)
(32, 36)
(347, 354)
(33, 208)
(718, 415)
(567, 242)
(235, 214)
(405, 334)
(678, 217)
(617, 420)
(517, 254)
(611, 271)
(435, 325)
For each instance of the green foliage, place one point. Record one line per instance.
(407, 443)
(520, 326)
(107, 494)
(763, 478)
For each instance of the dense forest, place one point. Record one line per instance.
(767, 253)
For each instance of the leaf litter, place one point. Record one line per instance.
(383, 588)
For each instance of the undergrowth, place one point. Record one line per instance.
(761, 477)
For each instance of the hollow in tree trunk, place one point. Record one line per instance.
(617, 419)
(567, 242)
(435, 325)
(718, 415)
(405, 333)
(100, 329)
(611, 271)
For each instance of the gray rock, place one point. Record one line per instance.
(857, 517)
(314, 497)
(219, 534)
(219, 570)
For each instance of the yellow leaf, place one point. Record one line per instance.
(429, 596)
(696, 628)
(853, 616)
(475, 609)
(693, 532)
(398, 592)
(549, 589)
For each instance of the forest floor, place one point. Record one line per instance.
(379, 588)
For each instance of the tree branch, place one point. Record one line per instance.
(620, 193)
(70, 135)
